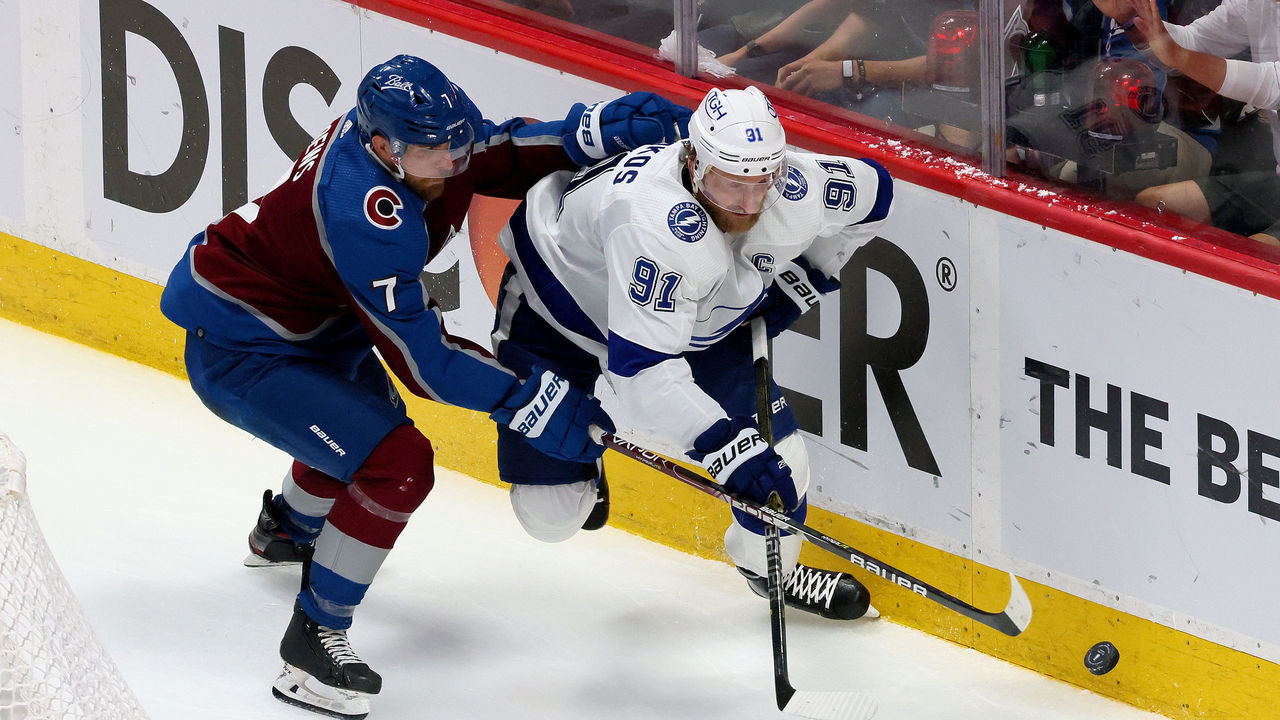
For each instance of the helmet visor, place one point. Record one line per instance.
(743, 194)
(434, 161)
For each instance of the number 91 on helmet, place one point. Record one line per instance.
(739, 151)
(427, 120)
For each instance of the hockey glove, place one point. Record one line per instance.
(796, 288)
(735, 456)
(554, 416)
(607, 128)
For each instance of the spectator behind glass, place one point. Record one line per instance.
(749, 18)
(1104, 123)
(1104, 34)
(1033, 34)
(1245, 203)
(856, 54)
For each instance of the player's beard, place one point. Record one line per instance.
(426, 188)
(730, 223)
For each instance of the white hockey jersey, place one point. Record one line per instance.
(629, 266)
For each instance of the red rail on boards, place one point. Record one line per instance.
(1212, 253)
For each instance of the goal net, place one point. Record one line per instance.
(51, 664)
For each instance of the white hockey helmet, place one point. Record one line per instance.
(737, 133)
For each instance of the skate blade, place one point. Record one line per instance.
(298, 688)
(254, 560)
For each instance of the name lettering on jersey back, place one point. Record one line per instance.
(309, 158)
(382, 207)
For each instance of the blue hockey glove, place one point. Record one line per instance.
(554, 416)
(796, 288)
(607, 128)
(735, 456)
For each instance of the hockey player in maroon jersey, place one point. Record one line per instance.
(285, 299)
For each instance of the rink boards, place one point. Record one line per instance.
(1007, 380)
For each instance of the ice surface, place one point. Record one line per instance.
(146, 499)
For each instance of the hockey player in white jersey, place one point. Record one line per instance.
(642, 272)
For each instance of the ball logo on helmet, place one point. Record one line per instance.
(688, 221)
(382, 207)
(398, 82)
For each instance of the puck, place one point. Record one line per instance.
(1101, 658)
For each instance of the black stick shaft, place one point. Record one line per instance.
(772, 537)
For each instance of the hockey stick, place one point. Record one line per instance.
(847, 705)
(1012, 620)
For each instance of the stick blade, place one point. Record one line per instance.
(818, 705)
(1019, 608)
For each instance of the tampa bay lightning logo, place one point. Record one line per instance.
(797, 187)
(688, 221)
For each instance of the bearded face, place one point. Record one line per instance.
(728, 221)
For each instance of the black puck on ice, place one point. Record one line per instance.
(1101, 658)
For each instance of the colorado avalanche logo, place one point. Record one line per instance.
(382, 207)
(688, 221)
(797, 187)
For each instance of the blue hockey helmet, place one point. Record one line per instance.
(426, 118)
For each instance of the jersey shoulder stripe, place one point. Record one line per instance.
(884, 193)
(543, 282)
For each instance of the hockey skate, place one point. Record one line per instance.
(321, 672)
(600, 512)
(268, 543)
(833, 595)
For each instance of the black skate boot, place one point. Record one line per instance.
(833, 595)
(321, 671)
(600, 513)
(268, 543)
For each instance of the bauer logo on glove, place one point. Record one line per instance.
(798, 288)
(555, 416)
(733, 454)
(533, 420)
(588, 128)
(594, 132)
(736, 456)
